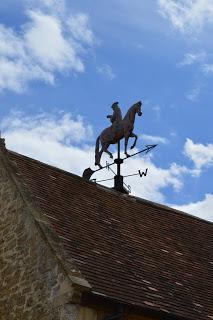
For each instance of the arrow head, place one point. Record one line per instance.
(150, 147)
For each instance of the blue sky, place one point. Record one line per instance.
(64, 63)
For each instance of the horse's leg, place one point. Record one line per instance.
(105, 147)
(99, 158)
(133, 135)
(125, 145)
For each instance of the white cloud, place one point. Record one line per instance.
(157, 110)
(53, 6)
(46, 45)
(51, 139)
(66, 143)
(207, 68)
(61, 128)
(80, 29)
(16, 68)
(194, 94)
(199, 58)
(201, 155)
(202, 209)
(187, 15)
(154, 139)
(193, 57)
(106, 70)
(151, 187)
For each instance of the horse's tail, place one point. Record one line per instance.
(97, 149)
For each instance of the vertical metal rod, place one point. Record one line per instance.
(118, 182)
(118, 164)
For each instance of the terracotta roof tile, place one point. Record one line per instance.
(128, 249)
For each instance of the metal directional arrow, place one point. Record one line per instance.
(118, 179)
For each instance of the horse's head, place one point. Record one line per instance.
(138, 106)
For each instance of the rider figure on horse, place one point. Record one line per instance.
(120, 128)
(117, 115)
(115, 118)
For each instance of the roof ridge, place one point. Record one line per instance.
(44, 163)
(129, 197)
(176, 211)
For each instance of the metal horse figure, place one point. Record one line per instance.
(113, 134)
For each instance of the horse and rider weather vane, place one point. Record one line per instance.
(120, 128)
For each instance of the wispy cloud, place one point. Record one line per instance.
(157, 110)
(48, 44)
(207, 68)
(194, 94)
(54, 6)
(154, 139)
(79, 28)
(200, 58)
(106, 71)
(193, 57)
(187, 15)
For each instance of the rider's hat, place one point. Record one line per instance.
(115, 104)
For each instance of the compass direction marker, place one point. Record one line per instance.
(89, 172)
(141, 174)
(119, 183)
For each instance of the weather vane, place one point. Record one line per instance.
(119, 129)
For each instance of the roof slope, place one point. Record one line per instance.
(128, 249)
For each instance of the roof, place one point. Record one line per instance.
(129, 249)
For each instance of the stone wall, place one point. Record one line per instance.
(33, 285)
